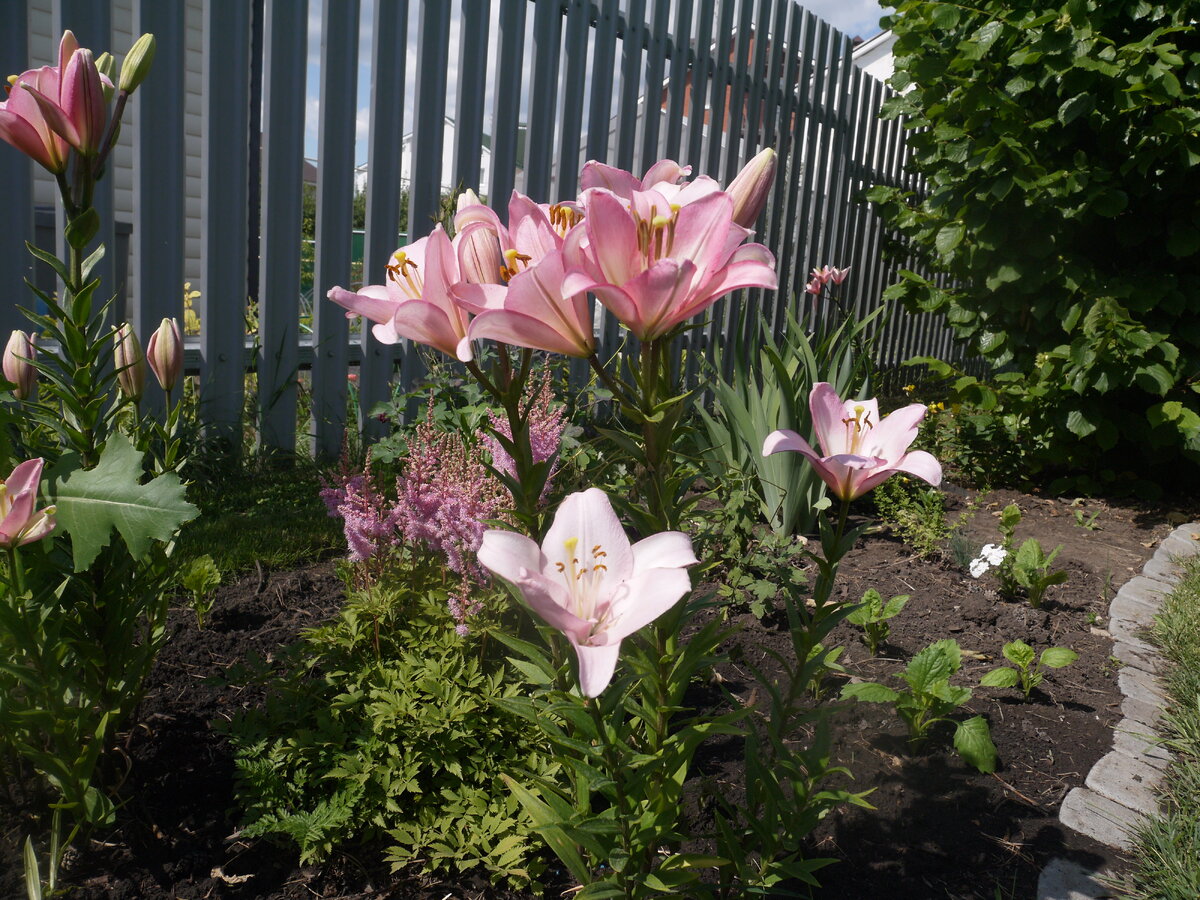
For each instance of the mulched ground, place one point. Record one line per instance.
(939, 828)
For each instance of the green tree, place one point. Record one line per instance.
(1059, 147)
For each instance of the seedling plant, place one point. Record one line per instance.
(1028, 669)
(872, 616)
(930, 698)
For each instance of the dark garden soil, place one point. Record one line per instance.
(939, 828)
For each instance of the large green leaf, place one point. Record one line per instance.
(973, 741)
(91, 503)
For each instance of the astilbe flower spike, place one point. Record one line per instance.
(546, 425)
(368, 520)
(445, 495)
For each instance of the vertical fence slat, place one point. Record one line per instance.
(507, 109)
(737, 91)
(388, 55)
(778, 207)
(604, 49)
(677, 88)
(16, 187)
(757, 76)
(841, 101)
(572, 105)
(284, 54)
(656, 54)
(791, 271)
(223, 201)
(92, 24)
(856, 220)
(158, 170)
(335, 219)
(433, 52)
(630, 90)
(543, 94)
(425, 190)
(698, 85)
(472, 85)
(721, 78)
(809, 179)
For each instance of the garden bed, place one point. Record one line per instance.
(939, 828)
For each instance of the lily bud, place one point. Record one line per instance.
(137, 63)
(164, 353)
(750, 188)
(479, 256)
(20, 523)
(106, 66)
(18, 363)
(130, 362)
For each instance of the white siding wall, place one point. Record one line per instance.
(43, 48)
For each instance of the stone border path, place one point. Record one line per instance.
(1120, 788)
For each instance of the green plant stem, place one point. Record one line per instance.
(624, 811)
(15, 572)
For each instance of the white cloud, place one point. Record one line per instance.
(853, 17)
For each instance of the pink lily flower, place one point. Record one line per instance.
(71, 97)
(861, 451)
(416, 302)
(655, 264)
(814, 287)
(587, 581)
(529, 308)
(836, 275)
(22, 120)
(20, 524)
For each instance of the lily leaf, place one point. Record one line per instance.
(91, 503)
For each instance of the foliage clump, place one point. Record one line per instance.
(1059, 147)
(386, 724)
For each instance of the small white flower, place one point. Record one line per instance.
(978, 567)
(993, 553)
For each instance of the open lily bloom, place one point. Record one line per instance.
(860, 450)
(20, 523)
(655, 264)
(528, 307)
(416, 302)
(587, 581)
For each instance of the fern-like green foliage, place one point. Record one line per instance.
(385, 725)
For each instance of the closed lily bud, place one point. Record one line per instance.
(20, 522)
(479, 256)
(137, 63)
(18, 363)
(751, 187)
(106, 65)
(164, 353)
(130, 362)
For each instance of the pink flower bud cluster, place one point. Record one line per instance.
(546, 424)
(823, 276)
(445, 495)
(367, 517)
(463, 606)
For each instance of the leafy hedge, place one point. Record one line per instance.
(1060, 148)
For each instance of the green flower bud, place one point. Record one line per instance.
(106, 66)
(137, 63)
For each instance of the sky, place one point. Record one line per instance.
(853, 17)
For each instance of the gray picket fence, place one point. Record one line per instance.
(627, 82)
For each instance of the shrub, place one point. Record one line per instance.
(1060, 151)
(386, 722)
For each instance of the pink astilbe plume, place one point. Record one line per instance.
(367, 517)
(546, 425)
(463, 607)
(445, 496)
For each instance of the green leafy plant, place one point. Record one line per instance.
(1086, 522)
(915, 512)
(200, 577)
(1029, 236)
(872, 616)
(1028, 671)
(386, 723)
(930, 698)
(769, 391)
(1027, 569)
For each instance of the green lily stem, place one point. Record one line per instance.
(624, 811)
(15, 573)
